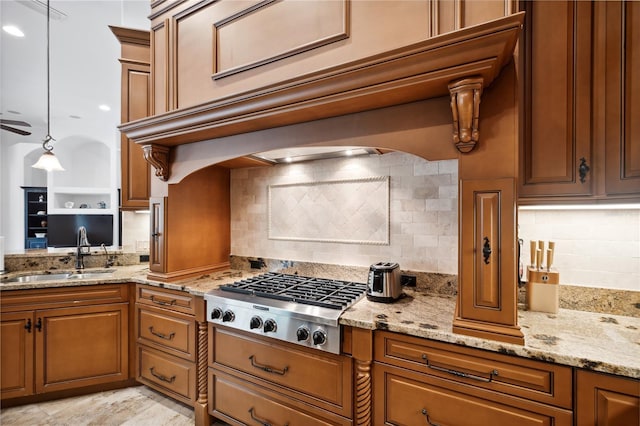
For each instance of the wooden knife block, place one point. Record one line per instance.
(542, 290)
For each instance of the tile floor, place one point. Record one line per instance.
(135, 406)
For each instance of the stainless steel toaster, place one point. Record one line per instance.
(384, 282)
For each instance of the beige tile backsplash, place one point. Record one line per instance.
(422, 216)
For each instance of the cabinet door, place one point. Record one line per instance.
(16, 357)
(136, 174)
(622, 98)
(557, 100)
(81, 346)
(605, 400)
(487, 269)
(157, 247)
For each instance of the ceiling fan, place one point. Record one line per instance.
(8, 125)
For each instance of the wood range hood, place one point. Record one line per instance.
(459, 64)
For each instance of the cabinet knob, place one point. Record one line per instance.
(583, 169)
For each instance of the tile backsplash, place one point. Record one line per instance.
(422, 212)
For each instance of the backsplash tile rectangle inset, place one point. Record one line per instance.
(352, 211)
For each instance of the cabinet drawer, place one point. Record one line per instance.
(64, 296)
(172, 376)
(408, 398)
(174, 300)
(234, 399)
(535, 380)
(320, 378)
(167, 331)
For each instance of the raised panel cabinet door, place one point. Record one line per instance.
(557, 100)
(16, 354)
(81, 346)
(605, 400)
(487, 270)
(622, 98)
(136, 175)
(157, 242)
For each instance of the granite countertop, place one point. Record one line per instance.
(595, 341)
(599, 342)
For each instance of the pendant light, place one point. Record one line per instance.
(48, 161)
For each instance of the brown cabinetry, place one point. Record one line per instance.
(581, 73)
(606, 400)
(45, 333)
(418, 381)
(135, 103)
(251, 379)
(171, 344)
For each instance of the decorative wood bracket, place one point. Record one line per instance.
(158, 157)
(465, 106)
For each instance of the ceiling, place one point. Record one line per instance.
(85, 71)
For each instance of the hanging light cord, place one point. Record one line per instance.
(45, 144)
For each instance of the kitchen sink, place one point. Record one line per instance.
(59, 276)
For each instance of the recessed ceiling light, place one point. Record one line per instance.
(105, 107)
(13, 30)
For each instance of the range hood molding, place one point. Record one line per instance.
(416, 72)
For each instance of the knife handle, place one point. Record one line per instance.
(533, 245)
(549, 258)
(541, 245)
(538, 259)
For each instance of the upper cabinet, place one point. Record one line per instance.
(581, 89)
(135, 104)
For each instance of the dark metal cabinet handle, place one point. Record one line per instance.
(162, 377)
(492, 374)
(486, 250)
(163, 302)
(155, 234)
(27, 326)
(259, 420)
(267, 368)
(583, 169)
(426, 417)
(38, 325)
(161, 335)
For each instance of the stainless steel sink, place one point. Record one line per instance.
(59, 276)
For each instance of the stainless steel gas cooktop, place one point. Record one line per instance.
(291, 308)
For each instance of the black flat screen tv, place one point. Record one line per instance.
(62, 229)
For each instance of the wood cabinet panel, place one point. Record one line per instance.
(235, 400)
(404, 398)
(16, 354)
(161, 62)
(158, 237)
(557, 99)
(606, 400)
(65, 360)
(63, 296)
(622, 98)
(172, 333)
(509, 375)
(171, 375)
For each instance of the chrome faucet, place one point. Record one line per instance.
(83, 248)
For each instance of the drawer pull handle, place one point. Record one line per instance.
(267, 368)
(259, 420)
(426, 417)
(161, 377)
(162, 336)
(492, 374)
(163, 302)
(27, 326)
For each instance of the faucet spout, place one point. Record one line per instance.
(83, 247)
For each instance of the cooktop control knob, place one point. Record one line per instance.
(270, 326)
(228, 316)
(255, 322)
(302, 333)
(216, 313)
(319, 337)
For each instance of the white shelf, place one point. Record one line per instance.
(81, 211)
(80, 190)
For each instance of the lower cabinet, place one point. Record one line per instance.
(605, 400)
(63, 338)
(253, 380)
(418, 381)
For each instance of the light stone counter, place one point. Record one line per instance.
(595, 341)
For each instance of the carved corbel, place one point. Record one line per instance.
(158, 157)
(465, 106)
